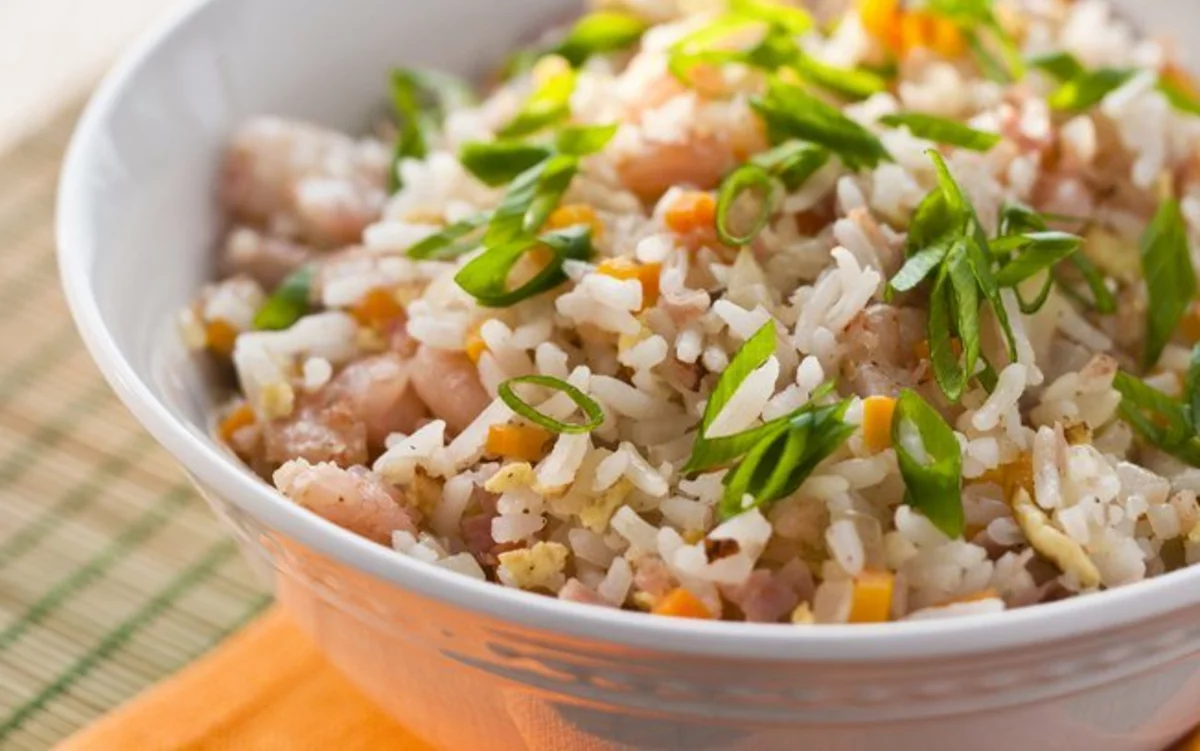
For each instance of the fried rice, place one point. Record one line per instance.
(740, 310)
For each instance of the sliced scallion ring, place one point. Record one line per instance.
(748, 177)
(485, 277)
(590, 407)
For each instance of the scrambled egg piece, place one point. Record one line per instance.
(597, 511)
(278, 400)
(1067, 554)
(803, 615)
(511, 477)
(539, 567)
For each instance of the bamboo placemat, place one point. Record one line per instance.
(113, 573)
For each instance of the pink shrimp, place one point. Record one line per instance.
(379, 391)
(448, 383)
(316, 184)
(699, 157)
(316, 433)
(354, 498)
(265, 258)
(881, 350)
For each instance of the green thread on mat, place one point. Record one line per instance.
(14, 378)
(117, 637)
(50, 433)
(135, 533)
(73, 501)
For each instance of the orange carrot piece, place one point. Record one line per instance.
(872, 598)
(680, 603)
(378, 309)
(239, 417)
(877, 422)
(475, 346)
(692, 210)
(522, 442)
(572, 214)
(646, 274)
(220, 336)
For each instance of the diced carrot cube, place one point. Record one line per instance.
(475, 346)
(220, 336)
(240, 417)
(681, 603)
(378, 309)
(692, 210)
(877, 422)
(573, 214)
(881, 19)
(872, 598)
(646, 274)
(916, 31)
(522, 442)
(945, 39)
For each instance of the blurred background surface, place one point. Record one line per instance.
(113, 573)
(53, 51)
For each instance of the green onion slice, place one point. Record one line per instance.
(793, 162)
(1170, 278)
(941, 130)
(850, 83)
(498, 163)
(752, 355)
(590, 407)
(550, 103)
(792, 113)
(583, 140)
(486, 277)
(1038, 252)
(1102, 299)
(421, 99)
(288, 303)
(786, 17)
(1029, 307)
(530, 199)
(930, 461)
(749, 178)
(600, 33)
(1180, 97)
(1089, 89)
(1165, 422)
(781, 461)
(461, 237)
(1061, 65)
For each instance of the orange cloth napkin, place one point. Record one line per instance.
(266, 688)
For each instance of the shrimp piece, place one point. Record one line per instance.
(716, 137)
(699, 162)
(266, 259)
(449, 384)
(881, 345)
(355, 499)
(378, 391)
(318, 185)
(315, 433)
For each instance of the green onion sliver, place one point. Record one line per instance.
(461, 237)
(287, 304)
(591, 408)
(748, 177)
(485, 277)
(942, 130)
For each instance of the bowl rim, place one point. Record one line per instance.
(1067, 619)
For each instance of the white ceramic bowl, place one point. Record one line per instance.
(473, 666)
